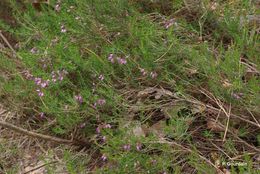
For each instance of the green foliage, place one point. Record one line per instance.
(165, 44)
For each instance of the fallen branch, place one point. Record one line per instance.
(9, 45)
(42, 136)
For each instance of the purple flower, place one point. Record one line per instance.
(79, 98)
(154, 162)
(37, 81)
(101, 102)
(104, 157)
(153, 75)
(143, 71)
(101, 77)
(107, 126)
(121, 61)
(40, 93)
(98, 130)
(104, 138)
(127, 147)
(42, 115)
(111, 58)
(63, 29)
(28, 75)
(169, 23)
(57, 7)
(82, 125)
(44, 84)
(237, 95)
(34, 50)
(138, 146)
(95, 105)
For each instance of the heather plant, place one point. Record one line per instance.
(140, 80)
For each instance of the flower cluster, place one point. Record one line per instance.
(63, 29)
(100, 102)
(58, 75)
(58, 6)
(41, 83)
(152, 74)
(79, 98)
(112, 58)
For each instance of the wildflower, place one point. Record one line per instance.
(28, 75)
(63, 29)
(95, 105)
(37, 80)
(237, 95)
(121, 61)
(101, 102)
(138, 146)
(34, 50)
(143, 71)
(153, 75)
(104, 138)
(169, 23)
(108, 126)
(104, 157)
(44, 84)
(42, 115)
(57, 7)
(153, 161)
(98, 129)
(79, 98)
(53, 76)
(111, 58)
(101, 77)
(82, 125)
(40, 93)
(127, 147)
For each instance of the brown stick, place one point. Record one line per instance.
(8, 44)
(38, 135)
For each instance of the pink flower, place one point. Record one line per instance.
(104, 138)
(57, 7)
(34, 50)
(98, 129)
(143, 71)
(28, 75)
(138, 146)
(169, 23)
(111, 58)
(107, 126)
(121, 61)
(127, 147)
(101, 77)
(153, 75)
(40, 93)
(101, 102)
(42, 115)
(44, 84)
(104, 157)
(63, 29)
(37, 80)
(79, 98)
(82, 125)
